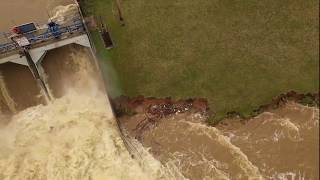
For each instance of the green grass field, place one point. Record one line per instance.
(237, 54)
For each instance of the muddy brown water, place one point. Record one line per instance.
(74, 137)
(21, 85)
(64, 68)
(282, 144)
(19, 89)
(15, 12)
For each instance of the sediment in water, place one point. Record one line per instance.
(73, 138)
(269, 146)
(7, 104)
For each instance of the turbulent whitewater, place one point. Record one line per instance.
(280, 144)
(73, 138)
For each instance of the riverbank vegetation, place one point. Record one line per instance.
(237, 54)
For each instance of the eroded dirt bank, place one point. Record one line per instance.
(75, 136)
(281, 143)
(157, 108)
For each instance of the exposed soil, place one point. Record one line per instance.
(309, 99)
(141, 113)
(156, 108)
(148, 111)
(271, 145)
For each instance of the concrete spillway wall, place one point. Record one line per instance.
(22, 86)
(23, 82)
(19, 86)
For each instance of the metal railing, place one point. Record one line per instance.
(66, 28)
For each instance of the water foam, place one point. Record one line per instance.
(63, 14)
(72, 138)
(249, 170)
(6, 96)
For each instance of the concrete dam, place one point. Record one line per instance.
(28, 76)
(56, 121)
(54, 107)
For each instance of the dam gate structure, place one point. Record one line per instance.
(23, 73)
(22, 50)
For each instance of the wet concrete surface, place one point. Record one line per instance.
(279, 144)
(21, 85)
(19, 89)
(65, 68)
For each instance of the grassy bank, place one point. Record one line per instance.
(237, 54)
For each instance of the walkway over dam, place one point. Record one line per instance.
(24, 71)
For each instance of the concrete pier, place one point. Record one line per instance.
(25, 62)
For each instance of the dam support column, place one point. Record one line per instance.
(36, 74)
(43, 74)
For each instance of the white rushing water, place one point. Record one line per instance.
(5, 96)
(76, 137)
(280, 144)
(73, 138)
